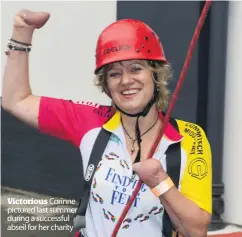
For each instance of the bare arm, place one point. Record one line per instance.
(188, 218)
(17, 97)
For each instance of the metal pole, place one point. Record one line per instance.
(215, 105)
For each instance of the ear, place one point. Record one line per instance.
(155, 76)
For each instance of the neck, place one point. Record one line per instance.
(144, 122)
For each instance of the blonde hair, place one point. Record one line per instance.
(163, 72)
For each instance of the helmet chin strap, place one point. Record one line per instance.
(138, 115)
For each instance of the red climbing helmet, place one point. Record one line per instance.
(128, 39)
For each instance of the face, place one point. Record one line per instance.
(131, 85)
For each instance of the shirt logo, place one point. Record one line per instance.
(115, 139)
(89, 172)
(198, 168)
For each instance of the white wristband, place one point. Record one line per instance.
(163, 187)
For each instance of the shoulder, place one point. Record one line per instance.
(104, 111)
(69, 119)
(190, 129)
(85, 108)
(195, 144)
(193, 134)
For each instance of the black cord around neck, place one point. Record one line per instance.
(142, 133)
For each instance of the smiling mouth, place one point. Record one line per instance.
(131, 92)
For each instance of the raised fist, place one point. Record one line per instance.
(30, 19)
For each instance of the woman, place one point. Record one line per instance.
(132, 70)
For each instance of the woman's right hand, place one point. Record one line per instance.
(25, 22)
(30, 19)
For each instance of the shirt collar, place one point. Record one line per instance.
(113, 125)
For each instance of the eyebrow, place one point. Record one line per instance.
(112, 66)
(137, 62)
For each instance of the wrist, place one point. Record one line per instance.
(161, 176)
(23, 34)
(163, 187)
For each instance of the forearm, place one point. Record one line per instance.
(186, 216)
(16, 75)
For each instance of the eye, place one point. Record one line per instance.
(114, 74)
(136, 68)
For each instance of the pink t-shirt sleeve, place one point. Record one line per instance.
(70, 121)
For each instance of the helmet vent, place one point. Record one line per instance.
(146, 38)
(148, 51)
(137, 50)
(142, 46)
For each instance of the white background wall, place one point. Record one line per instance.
(232, 160)
(63, 56)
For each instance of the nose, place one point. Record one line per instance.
(126, 79)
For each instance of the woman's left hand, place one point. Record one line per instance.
(150, 172)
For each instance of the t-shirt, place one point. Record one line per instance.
(112, 186)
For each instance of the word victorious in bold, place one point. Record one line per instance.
(51, 201)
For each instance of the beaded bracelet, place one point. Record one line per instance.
(19, 42)
(15, 47)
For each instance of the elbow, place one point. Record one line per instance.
(201, 229)
(5, 104)
(5, 101)
(194, 232)
(198, 232)
(10, 104)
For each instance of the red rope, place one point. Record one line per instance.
(171, 106)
